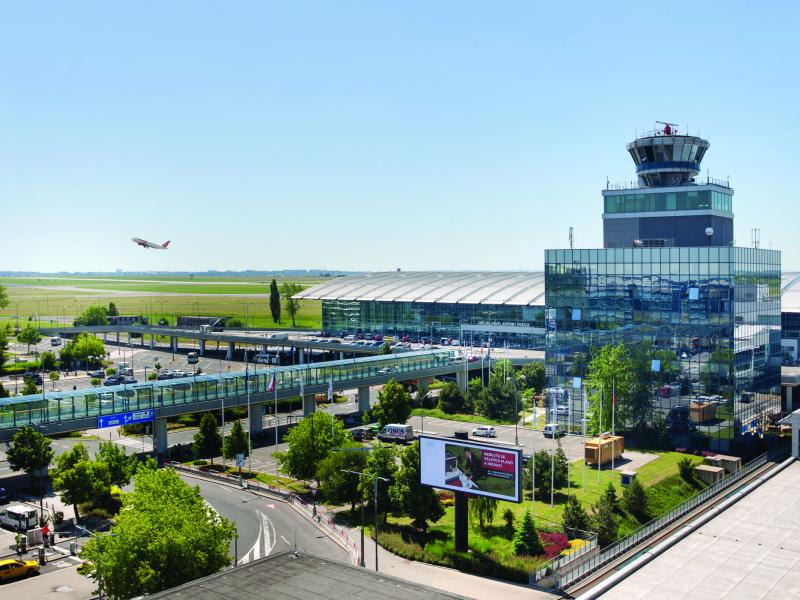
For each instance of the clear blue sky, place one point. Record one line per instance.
(373, 135)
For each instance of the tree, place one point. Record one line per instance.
(236, 442)
(336, 486)
(574, 517)
(604, 522)
(636, 500)
(121, 466)
(412, 498)
(498, 399)
(30, 452)
(29, 335)
(112, 310)
(80, 479)
(289, 290)
(526, 539)
(47, 360)
(380, 463)
(3, 348)
(274, 302)
(543, 462)
(610, 494)
(305, 451)
(54, 376)
(85, 346)
(386, 348)
(610, 371)
(686, 469)
(94, 315)
(451, 399)
(394, 404)
(3, 297)
(207, 440)
(29, 388)
(164, 536)
(483, 509)
(534, 376)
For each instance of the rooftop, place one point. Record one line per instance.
(301, 577)
(520, 288)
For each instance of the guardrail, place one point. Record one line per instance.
(648, 529)
(551, 566)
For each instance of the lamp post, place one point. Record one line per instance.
(99, 552)
(375, 479)
(516, 407)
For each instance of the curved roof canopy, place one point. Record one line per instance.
(513, 288)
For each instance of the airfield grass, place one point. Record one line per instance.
(205, 300)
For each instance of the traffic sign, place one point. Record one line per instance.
(240, 460)
(126, 418)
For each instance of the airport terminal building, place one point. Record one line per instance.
(704, 316)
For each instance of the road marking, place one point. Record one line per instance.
(285, 540)
(272, 506)
(266, 532)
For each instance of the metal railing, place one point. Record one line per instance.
(567, 556)
(648, 529)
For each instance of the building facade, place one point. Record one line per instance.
(701, 317)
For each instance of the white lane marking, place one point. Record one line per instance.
(266, 533)
(285, 540)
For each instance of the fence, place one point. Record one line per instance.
(322, 520)
(648, 529)
(567, 556)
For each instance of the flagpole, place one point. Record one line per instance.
(249, 416)
(274, 385)
(583, 424)
(600, 438)
(330, 393)
(613, 439)
(569, 432)
(533, 460)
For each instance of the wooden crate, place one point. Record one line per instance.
(603, 449)
(703, 411)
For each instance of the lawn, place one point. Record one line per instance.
(440, 414)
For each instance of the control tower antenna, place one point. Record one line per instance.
(571, 239)
(669, 128)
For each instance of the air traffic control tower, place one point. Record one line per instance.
(666, 206)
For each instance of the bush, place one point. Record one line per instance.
(111, 371)
(636, 500)
(95, 381)
(199, 462)
(526, 539)
(152, 376)
(686, 469)
(508, 517)
(554, 543)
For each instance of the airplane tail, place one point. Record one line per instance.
(166, 244)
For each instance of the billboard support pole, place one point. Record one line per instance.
(461, 522)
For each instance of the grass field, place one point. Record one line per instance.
(50, 302)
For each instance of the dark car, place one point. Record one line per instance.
(129, 379)
(678, 421)
(165, 375)
(361, 434)
(37, 379)
(5, 496)
(113, 380)
(99, 374)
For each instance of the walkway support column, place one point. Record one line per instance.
(152, 341)
(422, 385)
(118, 338)
(461, 379)
(309, 406)
(256, 418)
(174, 343)
(202, 347)
(160, 443)
(462, 522)
(363, 399)
(302, 352)
(341, 355)
(231, 350)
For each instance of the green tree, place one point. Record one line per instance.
(451, 399)
(121, 466)
(412, 498)
(29, 335)
(610, 369)
(275, 302)
(93, 315)
(686, 469)
(236, 443)
(309, 442)
(47, 360)
(635, 500)
(338, 487)
(80, 479)
(85, 346)
(574, 517)
(509, 518)
(483, 509)
(3, 297)
(533, 373)
(543, 463)
(610, 493)
(526, 539)
(112, 310)
(289, 290)
(394, 404)
(604, 522)
(164, 536)
(207, 440)
(498, 399)
(381, 462)
(386, 348)
(54, 376)
(29, 388)
(31, 453)
(3, 349)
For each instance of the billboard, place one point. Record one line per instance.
(467, 466)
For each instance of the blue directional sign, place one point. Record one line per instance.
(126, 418)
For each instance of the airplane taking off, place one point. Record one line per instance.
(146, 244)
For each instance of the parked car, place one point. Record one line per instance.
(113, 380)
(129, 379)
(5, 495)
(484, 431)
(553, 430)
(163, 375)
(361, 434)
(99, 374)
(177, 373)
(11, 568)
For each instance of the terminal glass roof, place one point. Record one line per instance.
(517, 288)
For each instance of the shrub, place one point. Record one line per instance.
(574, 517)
(111, 371)
(686, 469)
(526, 539)
(636, 500)
(95, 381)
(508, 517)
(200, 462)
(152, 376)
(554, 543)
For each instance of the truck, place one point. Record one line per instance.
(19, 518)
(396, 432)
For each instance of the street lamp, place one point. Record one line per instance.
(375, 479)
(99, 552)
(516, 407)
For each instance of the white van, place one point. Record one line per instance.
(192, 358)
(19, 518)
(553, 430)
(124, 369)
(55, 341)
(396, 433)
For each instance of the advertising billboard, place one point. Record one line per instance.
(467, 466)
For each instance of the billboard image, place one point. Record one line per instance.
(466, 466)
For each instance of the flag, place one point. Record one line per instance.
(271, 387)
